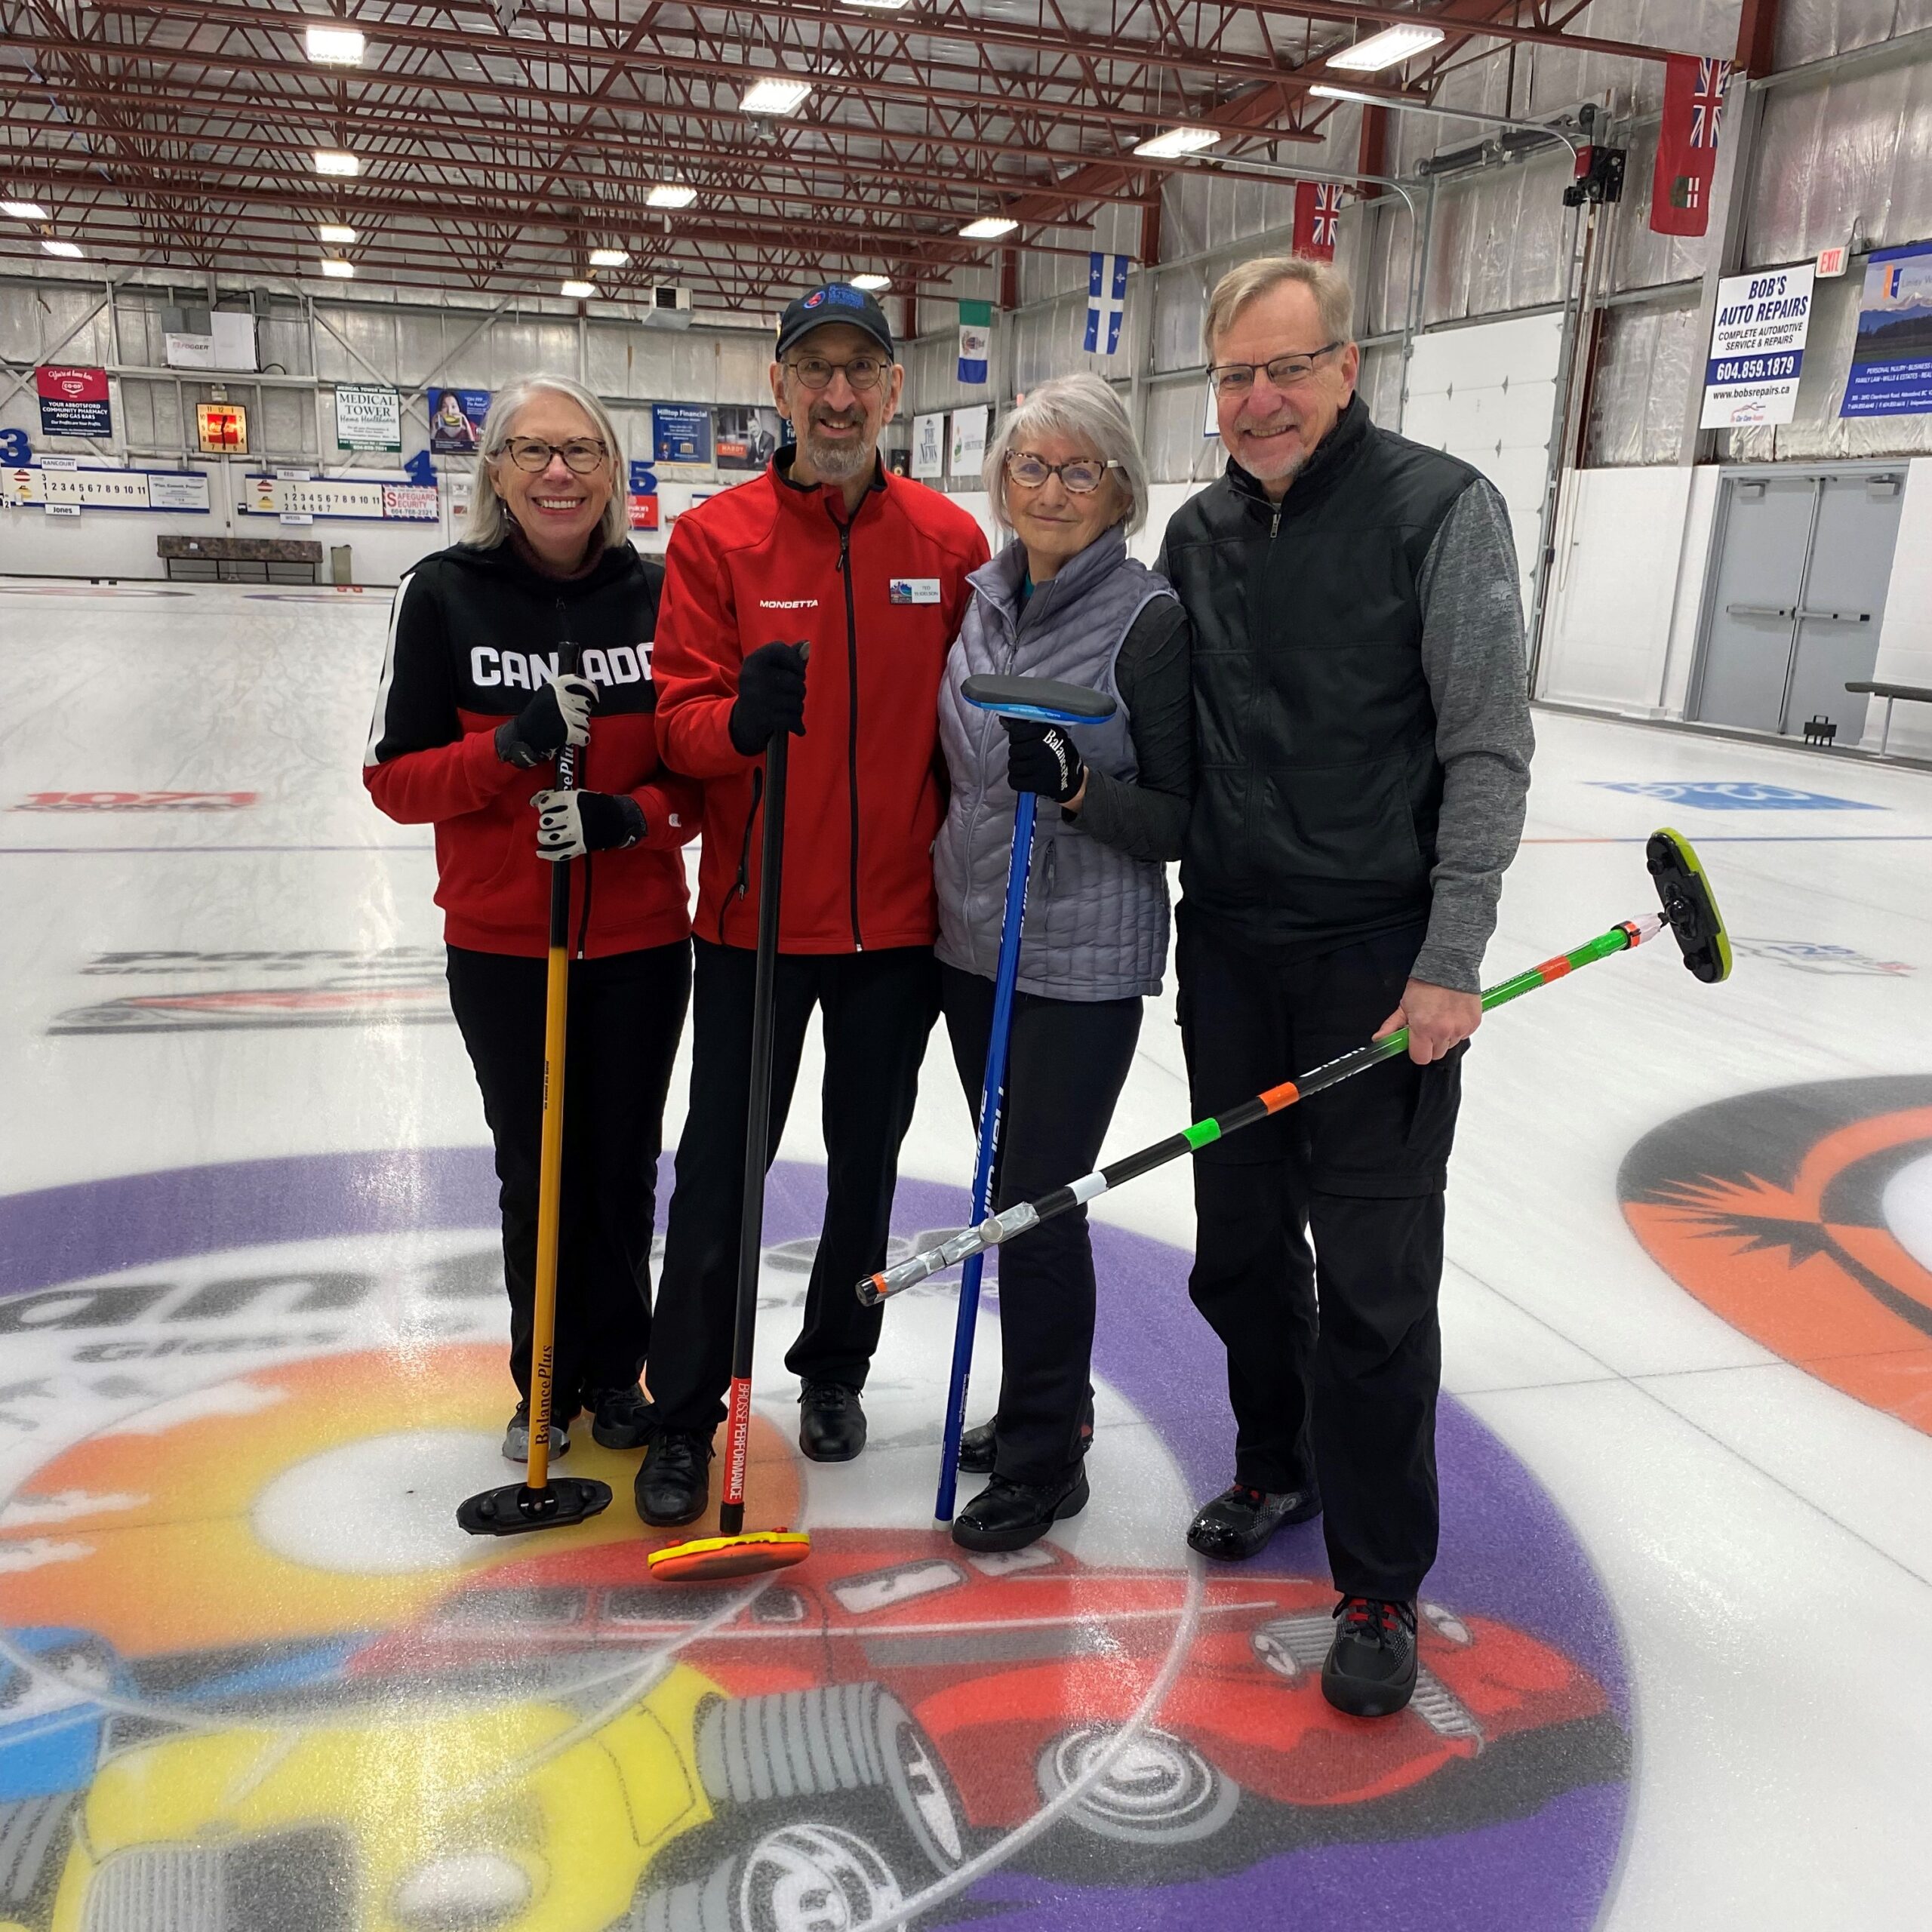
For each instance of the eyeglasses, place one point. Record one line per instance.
(1083, 475)
(1284, 372)
(528, 453)
(863, 372)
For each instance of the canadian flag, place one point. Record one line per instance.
(1694, 92)
(1317, 219)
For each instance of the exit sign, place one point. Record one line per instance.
(1831, 261)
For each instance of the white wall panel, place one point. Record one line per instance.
(1905, 640)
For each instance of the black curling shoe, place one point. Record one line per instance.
(674, 1482)
(516, 1438)
(1009, 1516)
(831, 1424)
(620, 1418)
(1239, 1521)
(979, 1447)
(1370, 1671)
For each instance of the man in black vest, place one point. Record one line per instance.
(1361, 757)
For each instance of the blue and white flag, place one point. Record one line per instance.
(976, 336)
(1106, 302)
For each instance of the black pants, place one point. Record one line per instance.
(625, 1014)
(1349, 1398)
(879, 1009)
(1067, 1063)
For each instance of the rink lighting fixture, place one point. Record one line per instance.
(670, 195)
(1175, 142)
(609, 258)
(880, 6)
(578, 291)
(335, 231)
(773, 96)
(337, 269)
(68, 251)
(1323, 91)
(23, 210)
(1402, 107)
(872, 284)
(988, 228)
(333, 160)
(1388, 48)
(333, 47)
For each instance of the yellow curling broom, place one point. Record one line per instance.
(735, 1551)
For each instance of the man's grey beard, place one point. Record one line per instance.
(838, 463)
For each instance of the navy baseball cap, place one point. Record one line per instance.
(836, 302)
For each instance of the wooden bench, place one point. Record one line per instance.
(241, 559)
(1891, 694)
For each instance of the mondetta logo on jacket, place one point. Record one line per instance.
(788, 603)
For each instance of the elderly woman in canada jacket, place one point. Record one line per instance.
(1062, 600)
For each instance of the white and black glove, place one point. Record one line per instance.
(558, 714)
(1042, 758)
(571, 823)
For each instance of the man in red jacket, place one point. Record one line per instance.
(870, 569)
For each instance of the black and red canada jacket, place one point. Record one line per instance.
(472, 635)
(879, 597)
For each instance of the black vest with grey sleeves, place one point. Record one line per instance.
(1317, 784)
(1096, 920)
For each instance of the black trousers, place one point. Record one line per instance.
(1067, 1063)
(626, 1013)
(1346, 1395)
(878, 1011)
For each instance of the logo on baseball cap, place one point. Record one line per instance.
(835, 302)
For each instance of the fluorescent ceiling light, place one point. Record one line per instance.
(23, 210)
(333, 47)
(68, 251)
(578, 291)
(1176, 142)
(771, 96)
(1327, 93)
(337, 270)
(332, 160)
(334, 231)
(872, 284)
(1388, 48)
(670, 195)
(609, 258)
(988, 228)
(880, 6)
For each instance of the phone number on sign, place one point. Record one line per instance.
(1754, 369)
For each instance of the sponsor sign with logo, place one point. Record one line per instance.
(1891, 356)
(135, 801)
(73, 401)
(680, 434)
(928, 446)
(1757, 347)
(969, 441)
(367, 418)
(745, 438)
(1733, 795)
(456, 420)
(1806, 955)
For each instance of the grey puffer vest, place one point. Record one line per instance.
(1096, 920)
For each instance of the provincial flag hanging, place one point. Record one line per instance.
(1693, 91)
(1317, 219)
(975, 338)
(1106, 303)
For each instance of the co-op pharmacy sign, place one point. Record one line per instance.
(1757, 347)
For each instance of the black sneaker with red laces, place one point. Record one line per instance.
(1239, 1521)
(1370, 1671)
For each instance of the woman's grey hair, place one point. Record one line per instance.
(1085, 409)
(489, 521)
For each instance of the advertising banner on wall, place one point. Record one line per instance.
(643, 496)
(969, 441)
(1891, 358)
(73, 401)
(747, 438)
(680, 434)
(367, 419)
(1757, 347)
(929, 446)
(456, 419)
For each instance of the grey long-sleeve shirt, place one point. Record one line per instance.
(1472, 657)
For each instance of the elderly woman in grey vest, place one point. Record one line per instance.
(1063, 599)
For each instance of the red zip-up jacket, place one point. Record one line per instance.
(472, 634)
(880, 599)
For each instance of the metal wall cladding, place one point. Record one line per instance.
(1649, 355)
(1857, 148)
(1637, 257)
(1498, 241)
(33, 322)
(1177, 448)
(1815, 29)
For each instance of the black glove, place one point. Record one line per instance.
(771, 698)
(558, 714)
(571, 823)
(1042, 758)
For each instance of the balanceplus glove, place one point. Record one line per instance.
(771, 698)
(571, 823)
(1042, 758)
(558, 714)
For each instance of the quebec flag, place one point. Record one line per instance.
(1106, 302)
